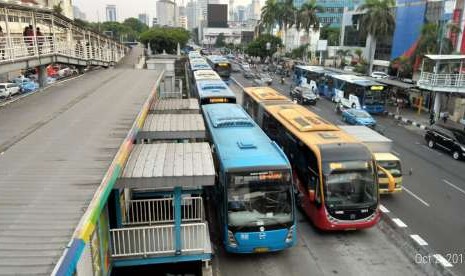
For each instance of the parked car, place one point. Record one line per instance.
(379, 75)
(9, 89)
(304, 95)
(26, 84)
(355, 116)
(450, 139)
(266, 78)
(248, 74)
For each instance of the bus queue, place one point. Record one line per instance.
(270, 153)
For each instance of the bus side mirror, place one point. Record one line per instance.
(311, 195)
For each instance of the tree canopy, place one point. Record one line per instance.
(258, 46)
(165, 39)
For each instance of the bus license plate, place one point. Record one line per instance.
(261, 250)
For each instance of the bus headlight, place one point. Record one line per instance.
(290, 234)
(231, 239)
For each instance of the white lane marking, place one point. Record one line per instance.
(442, 260)
(415, 196)
(453, 186)
(395, 152)
(419, 240)
(399, 222)
(383, 209)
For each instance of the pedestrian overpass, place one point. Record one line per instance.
(60, 40)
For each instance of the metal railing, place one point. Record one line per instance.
(17, 47)
(157, 240)
(442, 80)
(158, 211)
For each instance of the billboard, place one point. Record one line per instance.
(217, 16)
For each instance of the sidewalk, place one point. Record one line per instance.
(411, 116)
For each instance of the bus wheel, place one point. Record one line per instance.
(354, 105)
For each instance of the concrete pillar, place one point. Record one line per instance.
(42, 76)
(437, 105)
(177, 219)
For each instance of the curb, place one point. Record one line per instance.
(420, 255)
(407, 121)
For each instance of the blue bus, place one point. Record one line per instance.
(221, 65)
(254, 193)
(358, 92)
(312, 75)
(198, 64)
(213, 91)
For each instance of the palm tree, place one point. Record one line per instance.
(341, 53)
(429, 42)
(306, 16)
(286, 16)
(269, 15)
(377, 21)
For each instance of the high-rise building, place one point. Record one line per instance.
(255, 11)
(241, 13)
(154, 22)
(217, 16)
(201, 11)
(191, 15)
(143, 18)
(111, 13)
(332, 11)
(231, 10)
(167, 13)
(78, 14)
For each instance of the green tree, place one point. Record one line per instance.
(258, 46)
(342, 54)
(429, 42)
(269, 15)
(58, 8)
(220, 41)
(135, 25)
(165, 39)
(377, 21)
(286, 16)
(331, 34)
(306, 16)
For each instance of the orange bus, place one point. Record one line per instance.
(335, 175)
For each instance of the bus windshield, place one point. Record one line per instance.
(374, 97)
(393, 167)
(350, 184)
(259, 199)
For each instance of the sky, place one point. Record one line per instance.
(127, 8)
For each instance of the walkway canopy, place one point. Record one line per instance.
(168, 165)
(173, 127)
(178, 106)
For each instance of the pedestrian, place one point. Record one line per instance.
(2, 43)
(40, 39)
(25, 37)
(431, 117)
(445, 116)
(30, 39)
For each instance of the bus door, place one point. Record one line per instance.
(339, 87)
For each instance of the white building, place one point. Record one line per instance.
(66, 6)
(110, 12)
(233, 34)
(191, 15)
(167, 13)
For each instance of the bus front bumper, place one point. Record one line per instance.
(261, 242)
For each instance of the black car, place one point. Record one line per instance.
(448, 139)
(304, 95)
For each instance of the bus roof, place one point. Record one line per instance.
(266, 95)
(206, 74)
(357, 80)
(213, 88)
(239, 141)
(317, 69)
(307, 126)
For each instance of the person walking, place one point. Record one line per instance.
(40, 40)
(2, 43)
